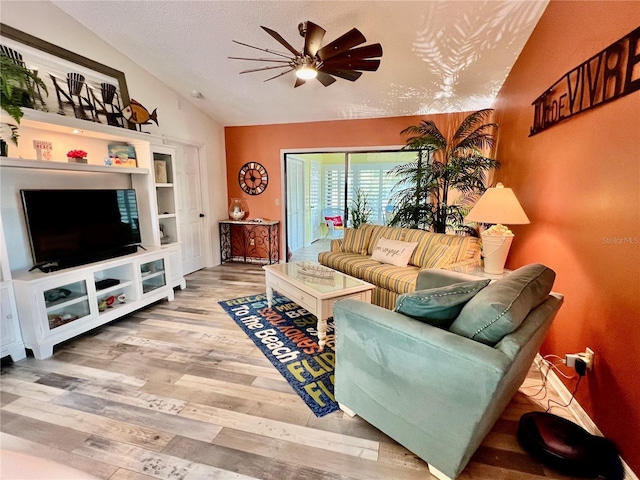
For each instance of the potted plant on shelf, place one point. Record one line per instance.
(17, 89)
(77, 156)
(442, 165)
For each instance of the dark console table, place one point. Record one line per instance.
(249, 241)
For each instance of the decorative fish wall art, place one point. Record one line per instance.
(137, 114)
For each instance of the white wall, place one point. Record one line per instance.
(178, 118)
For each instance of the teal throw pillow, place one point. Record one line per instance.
(439, 306)
(500, 308)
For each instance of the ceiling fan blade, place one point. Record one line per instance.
(341, 44)
(279, 75)
(352, 64)
(325, 79)
(282, 41)
(369, 51)
(312, 38)
(299, 81)
(261, 59)
(261, 49)
(350, 75)
(265, 68)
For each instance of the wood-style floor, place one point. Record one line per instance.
(178, 391)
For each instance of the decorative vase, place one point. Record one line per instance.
(238, 209)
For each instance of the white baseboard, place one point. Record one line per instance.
(582, 418)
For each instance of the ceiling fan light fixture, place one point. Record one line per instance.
(338, 58)
(306, 72)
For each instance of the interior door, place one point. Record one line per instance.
(314, 201)
(190, 205)
(295, 203)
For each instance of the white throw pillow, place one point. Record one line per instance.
(393, 252)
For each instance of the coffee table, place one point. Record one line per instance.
(315, 288)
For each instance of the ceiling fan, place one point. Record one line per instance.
(336, 59)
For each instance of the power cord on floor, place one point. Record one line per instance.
(581, 369)
(549, 366)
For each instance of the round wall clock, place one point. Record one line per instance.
(253, 178)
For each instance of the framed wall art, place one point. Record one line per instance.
(76, 86)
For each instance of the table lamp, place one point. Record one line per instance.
(497, 205)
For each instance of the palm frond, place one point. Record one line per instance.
(481, 138)
(469, 123)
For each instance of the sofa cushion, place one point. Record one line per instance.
(379, 231)
(356, 240)
(350, 263)
(464, 247)
(439, 306)
(469, 248)
(390, 277)
(439, 255)
(500, 308)
(393, 252)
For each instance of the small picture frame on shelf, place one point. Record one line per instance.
(122, 155)
(43, 149)
(160, 167)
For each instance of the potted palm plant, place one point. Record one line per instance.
(422, 194)
(17, 89)
(360, 211)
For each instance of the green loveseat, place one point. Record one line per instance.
(352, 255)
(434, 391)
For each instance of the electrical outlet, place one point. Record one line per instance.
(570, 359)
(588, 357)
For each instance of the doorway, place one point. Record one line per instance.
(192, 223)
(317, 181)
(295, 202)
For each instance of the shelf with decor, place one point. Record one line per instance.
(41, 322)
(79, 167)
(166, 195)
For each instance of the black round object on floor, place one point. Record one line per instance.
(568, 448)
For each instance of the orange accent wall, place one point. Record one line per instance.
(579, 183)
(263, 143)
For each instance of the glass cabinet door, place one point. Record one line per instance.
(153, 275)
(66, 303)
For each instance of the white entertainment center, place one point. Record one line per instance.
(40, 310)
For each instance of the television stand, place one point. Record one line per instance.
(47, 319)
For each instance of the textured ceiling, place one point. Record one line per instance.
(439, 56)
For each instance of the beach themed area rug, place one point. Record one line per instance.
(286, 334)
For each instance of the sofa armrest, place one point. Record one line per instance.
(438, 277)
(464, 265)
(336, 245)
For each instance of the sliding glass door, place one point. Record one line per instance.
(367, 172)
(321, 184)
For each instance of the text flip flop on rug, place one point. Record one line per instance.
(287, 335)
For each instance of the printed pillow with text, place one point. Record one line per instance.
(393, 252)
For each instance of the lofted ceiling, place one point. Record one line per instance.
(439, 56)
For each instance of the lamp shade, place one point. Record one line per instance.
(498, 205)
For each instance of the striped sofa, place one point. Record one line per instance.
(352, 255)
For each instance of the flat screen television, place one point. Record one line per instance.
(74, 227)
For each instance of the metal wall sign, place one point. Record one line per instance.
(610, 74)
